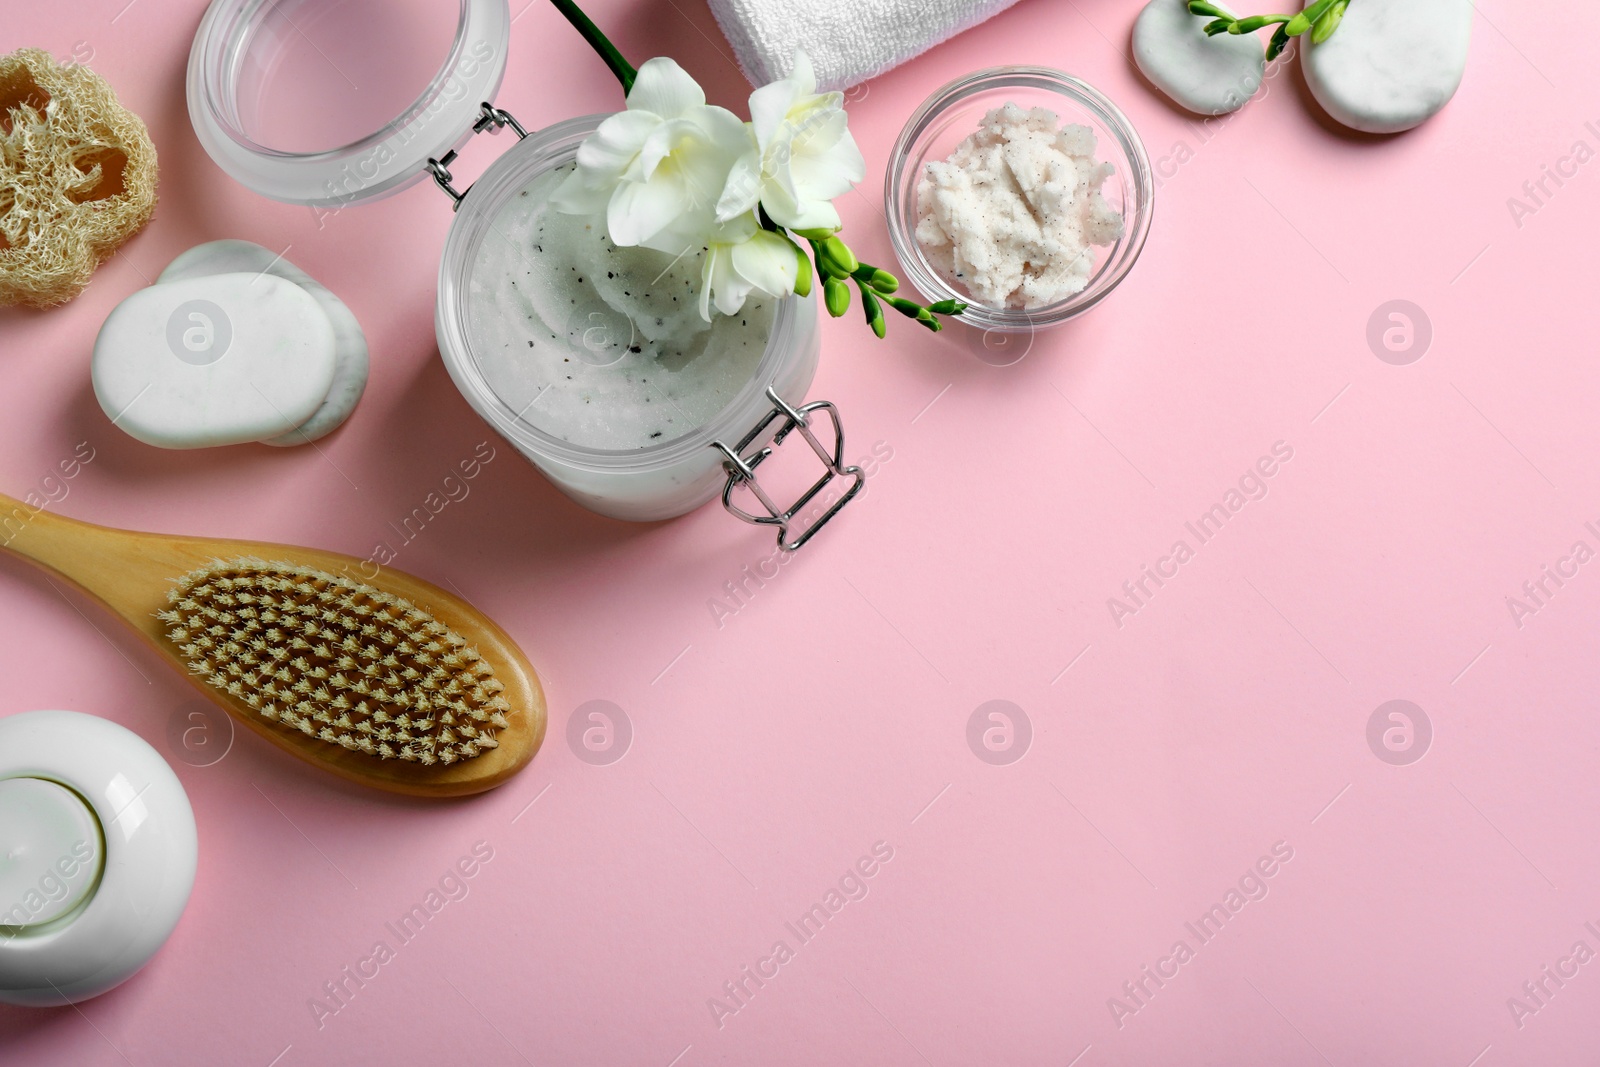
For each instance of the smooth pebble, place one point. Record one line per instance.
(1206, 75)
(217, 360)
(350, 344)
(1391, 64)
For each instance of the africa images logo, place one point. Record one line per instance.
(199, 332)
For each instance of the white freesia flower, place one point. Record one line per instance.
(741, 257)
(657, 169)
(802, 157)
(662, 173)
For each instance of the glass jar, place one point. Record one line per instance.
(954, 112)
(641, 484)
(256, 66)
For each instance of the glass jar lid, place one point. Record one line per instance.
(328, 102)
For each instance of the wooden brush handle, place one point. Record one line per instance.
(131, 574)
(117, 567)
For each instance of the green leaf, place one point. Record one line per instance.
(947, 307)
(1218, 26)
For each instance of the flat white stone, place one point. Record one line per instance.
(213, 361)
(1391, 64)
(350, 344)
(1207, 75)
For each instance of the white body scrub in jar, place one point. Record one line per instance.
(1013, 216)
(592, 361)
(599, 346)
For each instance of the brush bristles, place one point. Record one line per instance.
(337, 660)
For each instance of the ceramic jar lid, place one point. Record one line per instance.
(97, 856)
(51, 851)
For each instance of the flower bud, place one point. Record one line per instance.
(835, 296)
(840, 253)
(1324, 27)
(882, 280)
(873, 311)
(802, 277)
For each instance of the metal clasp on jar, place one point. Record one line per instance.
(489, 117)
(742, 470)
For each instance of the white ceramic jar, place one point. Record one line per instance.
(249, 64)
(97, 856)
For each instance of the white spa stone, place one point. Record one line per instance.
(216, 360)
(350, 344)
(1206, 75)
(1391, 64)
(1013, 215)
(599, 346)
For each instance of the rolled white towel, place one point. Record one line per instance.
(849, 41)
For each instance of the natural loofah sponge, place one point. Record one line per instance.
(77, 177)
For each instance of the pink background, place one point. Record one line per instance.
(831, 711)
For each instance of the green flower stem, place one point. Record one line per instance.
(600, 43)
(836, 264)
(913, 310)
(1320, 19)
(876, 284)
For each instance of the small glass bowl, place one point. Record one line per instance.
(955, 112)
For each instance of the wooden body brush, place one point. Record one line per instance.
(392, 682)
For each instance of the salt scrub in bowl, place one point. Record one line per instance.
(1013, 215)
(604, 344)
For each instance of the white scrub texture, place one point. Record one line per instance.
(600, 346)
(1013, 216)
